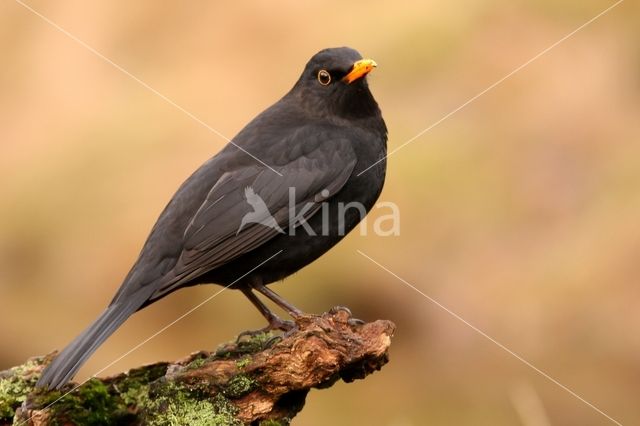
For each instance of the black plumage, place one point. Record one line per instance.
(315, 140)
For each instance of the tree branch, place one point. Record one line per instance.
(260, 379)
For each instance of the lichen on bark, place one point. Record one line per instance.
(260, 379)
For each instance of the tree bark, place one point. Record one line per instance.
(260, 379)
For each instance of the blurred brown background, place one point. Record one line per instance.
(521, 212)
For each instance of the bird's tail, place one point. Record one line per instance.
(69, 361)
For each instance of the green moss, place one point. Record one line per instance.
(135, 398)
(97, 403)
(243, 362)
(149, 373)
(171, 404)
(196, 363)
(225, 411)
(90, 404)
(15, 384)
(256, 342)
(134, 387)
(239, 385)
(41, 398)
(135, 395)
(191, 413)
(247, 344)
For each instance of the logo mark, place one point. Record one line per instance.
(338, 220)
(260, 213)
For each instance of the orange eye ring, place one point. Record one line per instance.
(324, 77)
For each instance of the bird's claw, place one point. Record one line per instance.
(282, 325)
(337, 309)
(355, 321)
(350, 320)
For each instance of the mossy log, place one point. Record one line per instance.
(260, 379)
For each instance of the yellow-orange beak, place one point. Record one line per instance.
(359, 69)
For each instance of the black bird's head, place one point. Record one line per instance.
(334, 83)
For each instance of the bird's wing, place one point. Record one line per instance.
(212, 239)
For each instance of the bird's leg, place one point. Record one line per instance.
(275, 322)
(275, 298)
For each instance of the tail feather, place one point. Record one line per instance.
(69, 361)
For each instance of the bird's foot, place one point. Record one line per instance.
(350, 320)
(275, 323)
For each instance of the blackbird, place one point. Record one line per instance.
(285, 190)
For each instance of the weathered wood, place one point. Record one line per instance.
(261, 379)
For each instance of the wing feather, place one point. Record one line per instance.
(212, 239)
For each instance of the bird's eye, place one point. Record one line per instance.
(324, 77)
